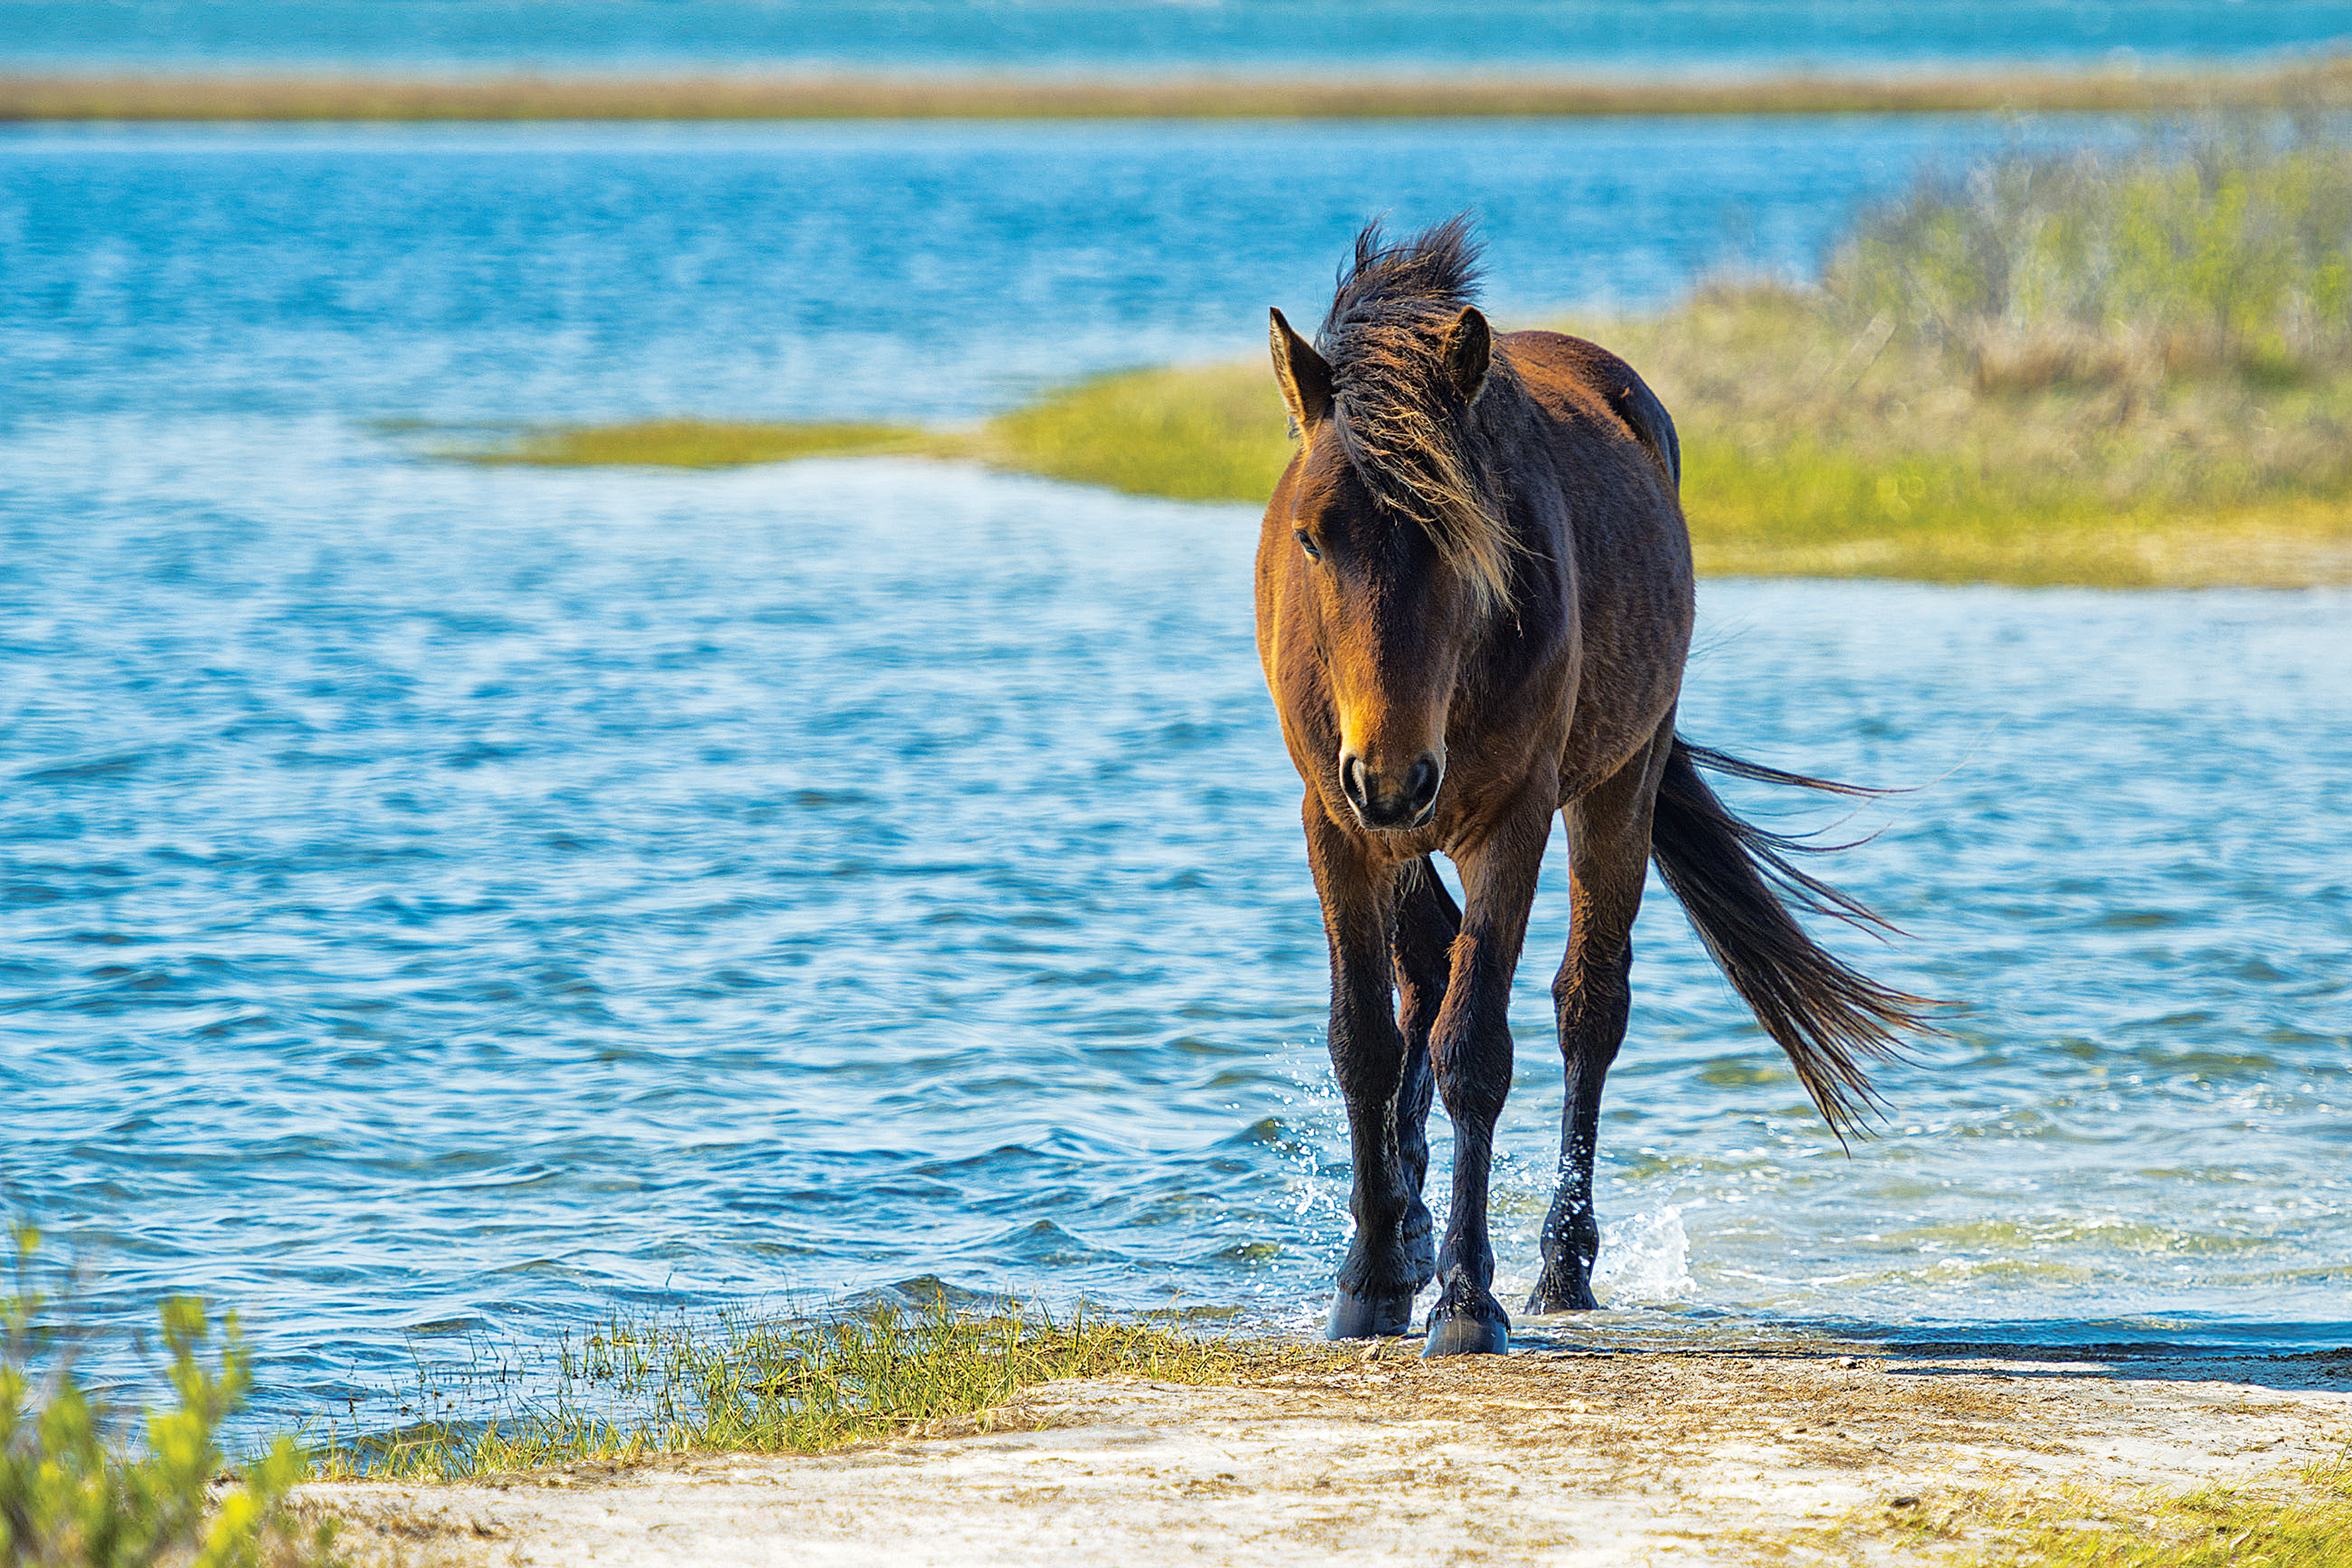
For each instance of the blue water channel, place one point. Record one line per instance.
(1626, 37)
(442, 902)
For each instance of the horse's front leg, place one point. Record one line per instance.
(1471, 1050)
(1377, 1280)
(1427, 924)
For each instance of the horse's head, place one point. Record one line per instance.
(1393, 603)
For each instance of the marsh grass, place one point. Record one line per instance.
(701, 444)
(1787, 470)
(214, 97)
(2124, 369)
(1211, 433)
(78, 1487)
(637, 1388)
(1201, 433)
(2218, 246)
(1818, 445)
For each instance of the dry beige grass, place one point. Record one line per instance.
(2324, 80)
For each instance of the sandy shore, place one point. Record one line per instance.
(1556, 1455)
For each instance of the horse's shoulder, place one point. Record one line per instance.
(1577, 373)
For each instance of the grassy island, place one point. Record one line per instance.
(2125, 370)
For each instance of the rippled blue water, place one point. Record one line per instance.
(1652, 37)
(443, 898)
(924, 270)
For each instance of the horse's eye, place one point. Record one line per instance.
(1307, 545)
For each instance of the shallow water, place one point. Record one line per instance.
(449, 897)
(454, 901)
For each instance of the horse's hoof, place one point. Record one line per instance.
(1548, 1298)
(1355, 1316)
(1468, 1333)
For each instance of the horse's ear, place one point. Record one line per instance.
(1305, 376)
(1469, 349)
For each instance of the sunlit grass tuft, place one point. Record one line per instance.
(1205, 433)
(1213, 433)
(634, 1389)
(703, 444)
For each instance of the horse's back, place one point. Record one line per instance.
(1617, 460)
(1566, 372)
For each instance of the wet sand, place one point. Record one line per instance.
(1555, 1455)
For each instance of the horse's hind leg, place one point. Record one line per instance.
(1426, 925)
(1608, 853)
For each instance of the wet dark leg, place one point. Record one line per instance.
(1609, 850)
(1375, 1288)
(1592, 999)
(1470, 1048)
(1427, 922)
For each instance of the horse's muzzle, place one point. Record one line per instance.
(1387, 803)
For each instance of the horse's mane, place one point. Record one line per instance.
(1399, 415)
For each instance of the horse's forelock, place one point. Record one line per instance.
(1399, 415)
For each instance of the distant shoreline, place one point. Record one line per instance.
(2321, 81)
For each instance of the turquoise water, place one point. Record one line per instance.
(1156, 36)
(454, 902)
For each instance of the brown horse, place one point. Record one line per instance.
(1473, 601)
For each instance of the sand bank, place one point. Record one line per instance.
(1556, 1455)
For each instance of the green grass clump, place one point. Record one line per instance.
(703, 443)
(635, 1389)
(1207, 432)
(1212, 433)
(75, 1491)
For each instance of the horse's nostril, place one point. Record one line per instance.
(1351, 778)
(1420, 786)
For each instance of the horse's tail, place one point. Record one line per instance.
(1737, 882)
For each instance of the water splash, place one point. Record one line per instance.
(1644, 1260)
